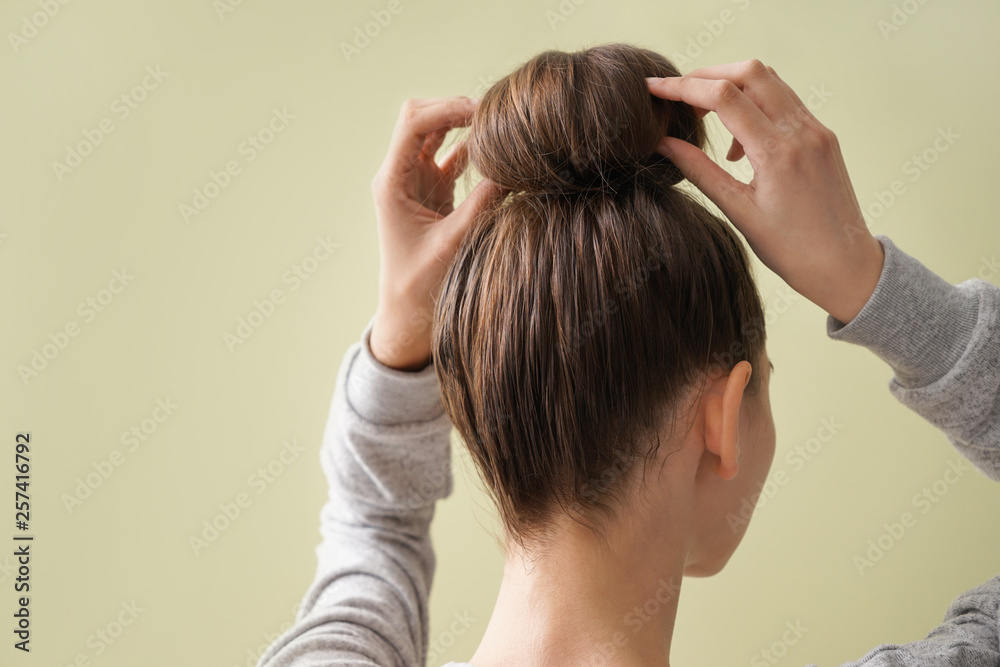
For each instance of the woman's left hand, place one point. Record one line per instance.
(419, 228)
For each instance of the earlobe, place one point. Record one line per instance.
(722, 418)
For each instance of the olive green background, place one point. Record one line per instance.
(889, 95)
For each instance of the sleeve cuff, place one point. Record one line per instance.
(388, 396)
(914, 320)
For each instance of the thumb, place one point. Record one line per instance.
(729, 194)
(486, 193)
(455, 162)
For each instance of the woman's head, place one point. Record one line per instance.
(586, 308)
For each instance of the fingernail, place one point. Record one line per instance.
(475, 101)
(652, 79)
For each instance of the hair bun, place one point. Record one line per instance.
(576, 123)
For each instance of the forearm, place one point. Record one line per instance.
(943, 343)
(386, 456)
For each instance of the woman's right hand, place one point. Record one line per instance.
(799, 213)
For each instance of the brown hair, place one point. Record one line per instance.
(583, 305)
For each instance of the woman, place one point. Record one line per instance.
(598, 341)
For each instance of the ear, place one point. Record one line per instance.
(722, 400)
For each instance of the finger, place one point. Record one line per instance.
(751, 75)
(455, 161)
(740, 72)
(738, 113)
(432, 144)
(759, 82)
(730, 195)
(651, 81)
(455, 226)
(763, 85)
(791, 93)
(418, 119)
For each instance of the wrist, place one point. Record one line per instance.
(857, 284)
(401, 337)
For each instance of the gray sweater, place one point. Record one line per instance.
(386, 454)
